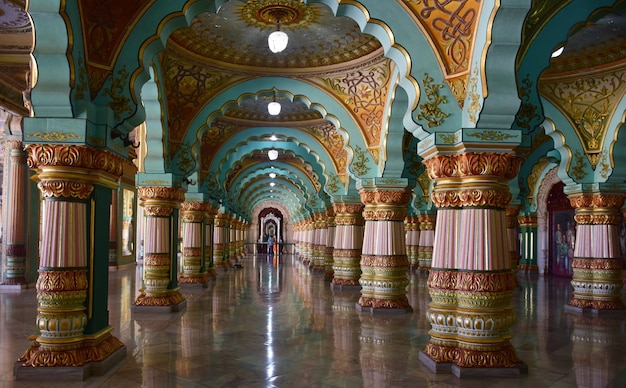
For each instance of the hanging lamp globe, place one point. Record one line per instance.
(277, 41)
(273, 108)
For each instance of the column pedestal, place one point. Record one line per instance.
(349, 225)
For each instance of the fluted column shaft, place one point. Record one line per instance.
(73, 330)
(511, 233)
(14, 203)
(411, 227)
(160, 286)
(528, 246)
(209, 258)
(329, 244)
(427, 239)
(193, 268)
(384, 262)
(470, 281)
(220, 241)
(349, 226)
(319, 243)
(597, 265)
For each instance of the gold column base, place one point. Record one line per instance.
(72, 354)
(167, 298)
(197, 278)
(400, 303)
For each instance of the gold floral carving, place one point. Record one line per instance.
(376, 214)
(613, 201)
(192, 252)
(474, 96)
(54, 188)
(589, 102)
(333, 183)
(38, 356)
(527, 220)
(471, 281)
(119, 103)
(385, 197)
(161, 193)
(578, 170)
(528, 110)
(431, 111)
(359, 165)
(491, 135)
(169, 299)
(385, 261)
(450, 138)
(54, 136)
(60, 281)
(503, 166)
(498, 197)
(79, 156)
(156, 260)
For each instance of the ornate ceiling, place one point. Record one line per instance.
(354, 76)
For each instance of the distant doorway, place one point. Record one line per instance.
(562, 232)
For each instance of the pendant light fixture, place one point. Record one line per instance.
(277, 41)
(273, 108)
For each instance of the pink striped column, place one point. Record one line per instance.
(67, 176)
(193, 270)
(15, 218)
(384, 262)
(470, 281)
(512, 230)
(411, 227)
(160, 263)
(597, 265)
(349, 225)
(426, 224)
(220, 241)
(329, 244)
(209, 258)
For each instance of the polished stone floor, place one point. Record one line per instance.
(275, 323)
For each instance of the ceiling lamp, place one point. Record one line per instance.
(272, 154)
(277, 41)
(272, 175)
(557, 52)
(272, 184)
(273, 108)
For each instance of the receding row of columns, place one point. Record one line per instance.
(368, 242)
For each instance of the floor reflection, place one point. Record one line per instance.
(275, 322)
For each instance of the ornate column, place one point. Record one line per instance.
(320, 232)
(470, 281)
(309, 235)
(232, 239)
(330, 243)
(597, 265)
(160, 286)
(220, 241)
(411, 227)
(113, 229)
(15, 219)
(529, 248)
(512, 211)
(209, 222)
(427, 239)
(349, 226)
(384, 263)
(72, 317)
(193, 260)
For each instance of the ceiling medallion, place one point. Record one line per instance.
(266, 13)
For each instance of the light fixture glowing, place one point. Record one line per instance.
(557, 52)
(277, 41)
(272, 184)
(273, 137)
(272, 175)
(272, 154)
(273, 108)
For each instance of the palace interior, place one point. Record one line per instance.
(313, 192)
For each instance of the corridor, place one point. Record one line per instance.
(276, 323)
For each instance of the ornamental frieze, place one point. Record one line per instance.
(471, 281)
(614, 201)
(471, 164)
(161, 193)
(385, 261)
(394, 214)
(341, 209)
(60, 281)
(498, 198)
(597, 264)
(385, 197)
(586, 218)
(53, 188)
(59, 155)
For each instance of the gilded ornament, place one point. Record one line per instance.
(333, 183)
(474, 96)
(359, 165)
(119, 103)
(54, 136)
(491, 135)
(450, 138)
(54, 188)
(431, 111)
